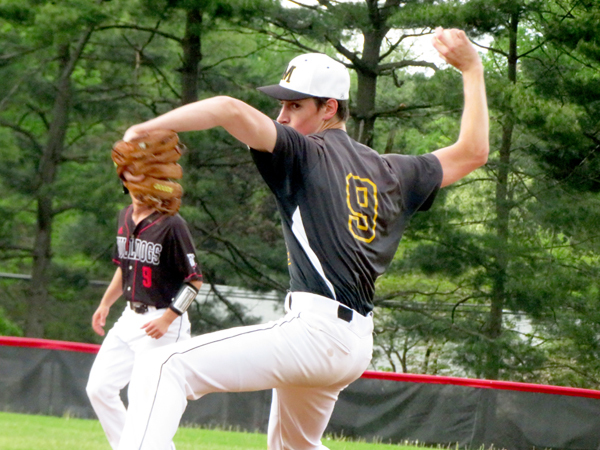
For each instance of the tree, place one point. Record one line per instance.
(43, 122)
(113, 57)
(502, 263)
(380, 28)
(566, 119)
(226, 204)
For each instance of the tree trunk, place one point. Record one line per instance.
(503, 208)
(38, 297)
(366, 72)
(192, 55)
(365, 108)
(49, 162)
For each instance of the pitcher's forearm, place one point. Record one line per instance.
(474, 130)
(241, 120)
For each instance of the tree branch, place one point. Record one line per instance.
(154, 30)
(405, 63)
(24, 132)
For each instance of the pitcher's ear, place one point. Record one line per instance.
(331, 107)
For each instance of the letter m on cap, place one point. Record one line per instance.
(288, 74)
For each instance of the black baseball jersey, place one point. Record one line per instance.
(344, 208)
(156, 257)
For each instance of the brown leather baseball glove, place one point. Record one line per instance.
(154, 156)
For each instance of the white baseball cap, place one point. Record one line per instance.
(311, 75)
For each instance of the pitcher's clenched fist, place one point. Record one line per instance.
(456, 49)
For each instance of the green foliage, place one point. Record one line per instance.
(128, 72)
(565, 116)
(449, 268)
(7, 327)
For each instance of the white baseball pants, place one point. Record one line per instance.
(112, 368)
(307, 358)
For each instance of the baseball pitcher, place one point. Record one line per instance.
(343, 208)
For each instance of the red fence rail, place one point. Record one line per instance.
(392, 376)
(48, 344)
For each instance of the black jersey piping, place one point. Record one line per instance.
(276, 324)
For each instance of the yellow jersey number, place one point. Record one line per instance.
(361, 196)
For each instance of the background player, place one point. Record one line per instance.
(344, 208)
(155, 257)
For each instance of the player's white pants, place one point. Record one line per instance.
(113, 365)
(307, 357)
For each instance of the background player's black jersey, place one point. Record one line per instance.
(344, 208)
(155, 257)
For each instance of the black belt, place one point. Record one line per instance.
(138, 307)
(343, 312)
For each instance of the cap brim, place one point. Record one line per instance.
(281, 93)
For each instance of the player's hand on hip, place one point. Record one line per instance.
(99, 319)
(456, 49)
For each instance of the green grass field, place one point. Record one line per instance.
(28, 432)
